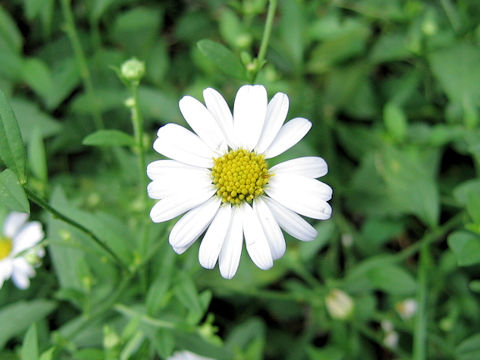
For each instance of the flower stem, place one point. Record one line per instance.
(81, 61)
(260, 60)
(46, 206)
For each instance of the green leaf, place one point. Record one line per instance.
(30, 311)
(392, 279)
(36, 155)
(469, 349)
(395, 121)
(466, 247)
(48, 354)
(109, 138)
(38, 76)
(9, 31)
(30, 344)
(223, 58)
(310, 249)
(187, 294)
(12, 149)
(473, 206)
(164, 343)
(12, 194)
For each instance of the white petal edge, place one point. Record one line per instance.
(308, 166)
(193, 223)
(203, 123)
(29, 236)
(22, 272)
(171, 186)
(178, 143)
(214, 238)
(276, 114)
(303, 195)
(291, 222)
(272, 230)
(229, 257)
(249, 113)
(218, 107)
(13, 222)
(170, 207)
(290, 134)
(255, 240)
(6, 269)
(171, 168)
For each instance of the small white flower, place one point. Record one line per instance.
(339, 304)
(187, 355)
(391, 340)
(220, 178)
(407, 308)
(18, 236)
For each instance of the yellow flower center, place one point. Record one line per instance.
(5, 247)
(240, 175)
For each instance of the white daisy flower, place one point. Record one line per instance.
(18, 236)
(187, 355)
(219, 176)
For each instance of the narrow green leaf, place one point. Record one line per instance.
(469, 349)
(30, 312)
(187, 294)
(12, 149)
(109, 138)
(30, 344)
(12, 193)
(38, 76)
(36, 155)
(9, 31)
(392, 279)
(223, 58)
(48, 355)
(395, 121)
(473, 206)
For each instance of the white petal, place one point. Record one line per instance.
(6, 269)
(249, 113)
(255, 239)
(232, 247)
(213, 240)
(308, 166)
(291, 222)
(13, 223)
(170, 207)
(22, 271)
(170, 186)
(28, 236)
(290, 134)
(171, 168)
(203, 123)
(218, 107)
(301, 194)
(178, 143)
(270, 227)
(276, 113)
(193, 223)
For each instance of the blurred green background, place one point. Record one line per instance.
(393, 91)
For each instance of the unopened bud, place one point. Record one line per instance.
(133, 70)
(339, 304)
(407, 308)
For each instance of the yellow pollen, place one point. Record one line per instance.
(5, 247)
(240, 175)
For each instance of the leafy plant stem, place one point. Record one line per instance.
(260, 60)
(420, 328)
(46, 206)
(81, 61)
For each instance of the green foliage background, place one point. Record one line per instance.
(393, 91)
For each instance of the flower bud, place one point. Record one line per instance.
(133, 70)
(407, 308)
(339, 304)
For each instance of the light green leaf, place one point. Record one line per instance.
(164, 343)
(395, 121)
(9, 31)
(187, 294)
(109, 138)
(12, 194)
(392, 279)
(12, 149)
(30, 312)
(48, 354)
(30, 344)
(466, 247)
(38, 76)
(473, 206)
(469, 349)
(223, 58)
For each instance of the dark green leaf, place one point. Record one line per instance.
(392, 279)
(12, 194)
(223, 58)
(36, 156)
(12, 149)
(109, 138)
(469, 349)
